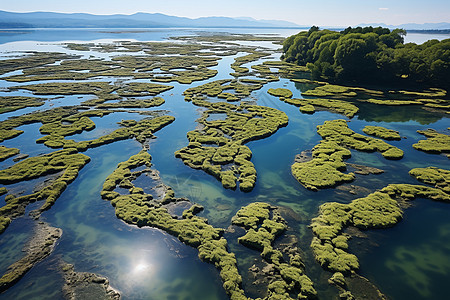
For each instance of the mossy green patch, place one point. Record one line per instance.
(380, 209)
(263, 224)
(338, 131)
(308, 105)
(285, 69)
(141, 209)
(7, 152)
(326, 167)
(280, 92)
(12, 103)
(9, 134)
(436, 142)
(34, 60)
(330, 90)
(69, 88)
(144, 103)
(381, 132)
(34, 167)
(218, 148)
(242, 88)
(439, 178)
(40, 246)
(239, 61)
(67, 161)
(431, 92)
(393, 102)
(308, 109)
(141, 131)
(138, 89)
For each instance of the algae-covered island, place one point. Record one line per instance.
(221, 164)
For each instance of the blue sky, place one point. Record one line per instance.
(320, 12)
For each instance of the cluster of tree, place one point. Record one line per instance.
(369, 54)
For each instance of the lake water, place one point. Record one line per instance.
(408, 261)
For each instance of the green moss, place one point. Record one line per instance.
(4, 223)
(393, 102)
(68, 161)
(145, 103)
(317, 175)
(381, 132)
(380, 209)
(239, 61)
(242, 88)
(9, 134)
(435, 106)
(308, 81)
(339, 106)
(432, 92)
(308, 109)
(285, 69)
(337, 279)
(139, 89)
(142, 210)
(325, 168)
(333, 259)
(68, 88)
(280, 92)
(228, 96)
(34, 167)
(218, 147)
(33, 60)
(410, 192)
(330, 90)
(141, 131)
(7, 152)
(7, 130)
(338, 131)
(252, 215)
(436, 142)
(12, 103)
(264, 223)
(187, 56)
(436, 177)
(39, 247)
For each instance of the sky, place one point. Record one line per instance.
(319, 12)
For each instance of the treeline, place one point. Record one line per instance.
(369, 54)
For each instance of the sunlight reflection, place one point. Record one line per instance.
(141, 267)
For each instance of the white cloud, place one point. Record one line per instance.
(383, 8)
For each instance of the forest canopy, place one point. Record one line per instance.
(369, 55)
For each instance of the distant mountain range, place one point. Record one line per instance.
(137, 20)
(157, 20)
(412, 26)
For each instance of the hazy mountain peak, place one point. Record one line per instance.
(139, 19)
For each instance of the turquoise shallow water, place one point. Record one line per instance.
(410, 259)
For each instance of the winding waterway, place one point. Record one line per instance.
(409, 261)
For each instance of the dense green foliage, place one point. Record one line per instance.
(363, 54)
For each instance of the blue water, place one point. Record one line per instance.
(145, 263)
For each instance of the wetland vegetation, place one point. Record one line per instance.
(161, 134)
